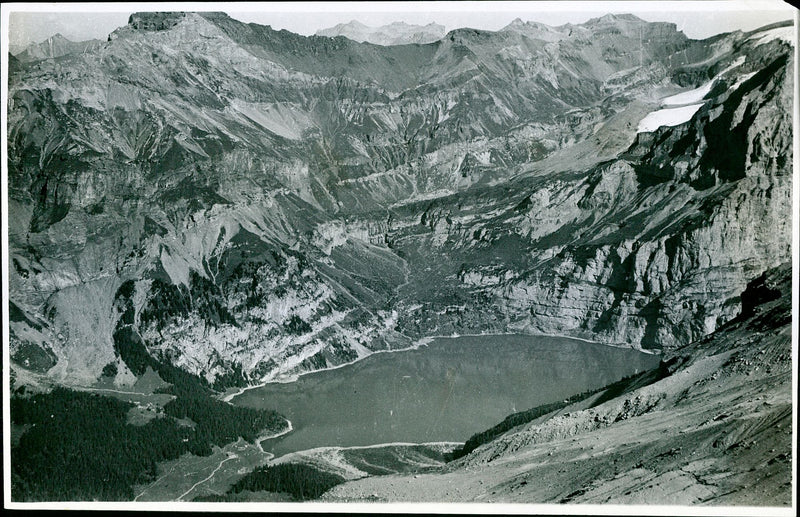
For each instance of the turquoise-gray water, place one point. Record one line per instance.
(445, 391)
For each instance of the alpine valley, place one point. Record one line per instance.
(198, 205)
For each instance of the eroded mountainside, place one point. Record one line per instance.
(245, 203)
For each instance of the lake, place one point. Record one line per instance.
(444, 391)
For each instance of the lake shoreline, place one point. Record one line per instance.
(425, 341)
(266, 436)
(442, 391)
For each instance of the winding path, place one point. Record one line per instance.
(154, 483)
(230, 457)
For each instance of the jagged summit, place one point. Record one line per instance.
(155, 21)
(609, 23)
(519, 22)
(351, 24)
(537, 30)
(601, 20)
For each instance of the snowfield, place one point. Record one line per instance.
(784, 33)
(686, 103)
(697, 95)
(742, 79)
(667, 117)
(691, 96)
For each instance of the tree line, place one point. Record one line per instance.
(303, 482)
(79, 446)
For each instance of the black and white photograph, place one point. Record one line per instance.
(465, 257)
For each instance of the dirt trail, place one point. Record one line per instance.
(230, 457)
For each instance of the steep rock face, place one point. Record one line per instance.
(271, 203)
(711, 237)
(154, 21)
(629, 252)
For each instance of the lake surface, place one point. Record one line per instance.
(445, 391)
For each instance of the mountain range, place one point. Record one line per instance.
(396, 33)
(53, 47)
(490, 181)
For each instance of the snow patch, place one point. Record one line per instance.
(692, 96)
(667, 117)
(739, 61)
(742, 79)
(696, 95)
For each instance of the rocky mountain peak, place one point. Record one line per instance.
(536, 30)
(54, 46)
(519, 22)
(353, 24)
(155, 21)
(615, 18)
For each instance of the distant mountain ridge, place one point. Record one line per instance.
(55, 46)
(396, 33)
(538, 30)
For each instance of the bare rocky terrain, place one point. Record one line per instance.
(54, 47)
